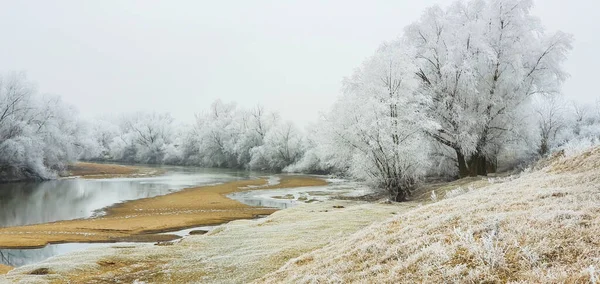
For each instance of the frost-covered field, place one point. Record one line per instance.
(237, 252)
(543, 226)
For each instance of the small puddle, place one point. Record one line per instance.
(186, 232)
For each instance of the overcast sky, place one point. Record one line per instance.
(114, 56)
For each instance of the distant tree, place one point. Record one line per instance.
(217, 130)
(149, 133)
(255, 124)
(282, 146)
(582, 128)
(551, 119)
(373, 132)
(39, 135)
(103, 130)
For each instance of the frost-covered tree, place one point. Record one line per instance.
(373, 132)
(143, 137)
(582, 130)
(103, 130)
(151, 132)
(233, 137)
(218, 130)
(39, 135)
(282, 146)
(551, 119)
(478, 62)
(223, 136)
(255, 124)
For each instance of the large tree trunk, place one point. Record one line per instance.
(463, 170)
(492, 165)
(400, 196)
(398, 190)
(477, 165)
(544, 148)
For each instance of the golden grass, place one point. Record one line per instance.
(101, 171)
(538, 227)
(117, 270)
(423, 192)
(582, 162)
(5, 268)
(139, 220)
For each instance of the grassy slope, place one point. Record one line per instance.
(542, 226)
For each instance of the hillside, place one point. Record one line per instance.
(542, 226)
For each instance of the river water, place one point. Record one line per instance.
(65, 199)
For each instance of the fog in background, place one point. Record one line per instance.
(178, 56)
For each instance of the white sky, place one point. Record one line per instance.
(115, 56)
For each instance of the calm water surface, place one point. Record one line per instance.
(66, 199)
(41, 202)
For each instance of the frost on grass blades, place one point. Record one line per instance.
(539, 228)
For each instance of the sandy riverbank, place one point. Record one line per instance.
(139, 220)
(102, 171)
(4, 269)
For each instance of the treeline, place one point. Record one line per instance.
(39, 135)
(223, 136)
(465, 91)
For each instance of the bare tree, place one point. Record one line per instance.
(550, 113)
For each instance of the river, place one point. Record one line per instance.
(27, 203)
(66, 199)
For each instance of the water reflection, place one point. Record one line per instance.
(41, 202)
(20, 257)
(289, 197)
(256, 198)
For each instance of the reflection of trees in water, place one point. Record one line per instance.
(12, 257)
(29, 203)
(32, 203)
(20, 257)
(5, 258)
(261, 201)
